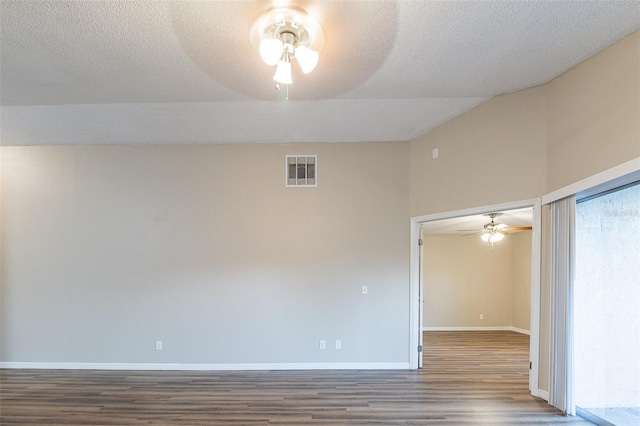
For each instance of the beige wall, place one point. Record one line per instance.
(593, 115)
(464, 278)
(493, 154)
(521, 279)
(107, 249)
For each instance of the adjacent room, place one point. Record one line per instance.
(232, 211)
(477, 272)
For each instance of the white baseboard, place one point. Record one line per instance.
(498, 328)
(205, 367)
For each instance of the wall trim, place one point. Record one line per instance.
(476, 210)
(205, 367)
(534, 316)
(497, 328)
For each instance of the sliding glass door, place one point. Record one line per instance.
(607, 306)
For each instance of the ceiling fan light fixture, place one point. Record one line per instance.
(496, 236)
(283, 71)
(492, 237)
(281, 34)
(493, 231)
(307, 58)
(271, 50)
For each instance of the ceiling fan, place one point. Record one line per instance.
(494, 231)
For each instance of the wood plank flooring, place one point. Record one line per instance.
(470, 378)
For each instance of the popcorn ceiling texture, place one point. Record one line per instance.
(399, 68)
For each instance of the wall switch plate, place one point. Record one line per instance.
(365, 289)
(323, 344)
(158, 345)
(338, 344)
(435, 153)
(481, 316)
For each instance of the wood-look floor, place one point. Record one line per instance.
(468, 378)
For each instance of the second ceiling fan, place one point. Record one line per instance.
(495, 231)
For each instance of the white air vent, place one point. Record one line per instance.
(301, 170)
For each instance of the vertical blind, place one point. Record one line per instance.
(562, 267)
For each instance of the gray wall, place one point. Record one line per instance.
(107, 249)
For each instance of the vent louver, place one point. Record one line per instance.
(301, 170)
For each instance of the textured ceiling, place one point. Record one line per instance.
(88, 72)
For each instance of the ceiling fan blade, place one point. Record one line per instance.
(517, 228)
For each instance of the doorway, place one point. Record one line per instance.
(417, 291)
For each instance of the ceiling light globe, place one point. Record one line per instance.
(496, 237)
(283, 72)
(485, 236)
(271, 50)
(307, 58)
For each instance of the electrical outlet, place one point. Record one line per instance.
(158, 345)
(338, 344)
(323, 344)
(482, 316)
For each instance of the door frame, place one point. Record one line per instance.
(415, 325)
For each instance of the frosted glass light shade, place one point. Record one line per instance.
(492, 237)
(496, 237)
(307, 58)
(283, 72)
(271, 50)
